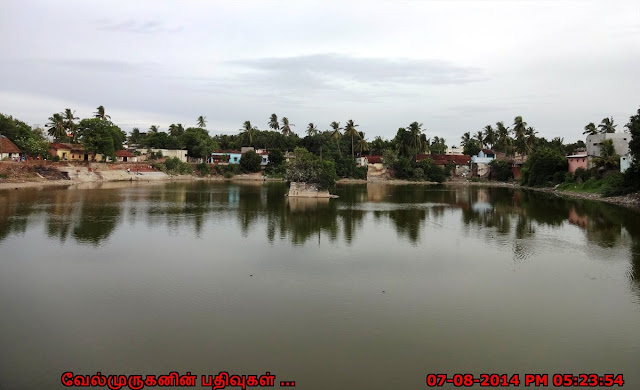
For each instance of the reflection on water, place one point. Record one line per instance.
(200, 276)
(89, 216)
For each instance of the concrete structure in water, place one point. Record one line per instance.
(304, 190)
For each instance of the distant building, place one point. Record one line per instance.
(460, 161)
(577, 161)
(231, 156)
(8, 149)
(455, 150)
(72, 152)
(126, 156)
(620, 143)
(624, 163)
(485, 156)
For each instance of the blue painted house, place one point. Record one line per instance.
(226, 156)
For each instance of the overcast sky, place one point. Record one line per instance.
(454, 66)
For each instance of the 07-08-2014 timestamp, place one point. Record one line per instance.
(527, 380)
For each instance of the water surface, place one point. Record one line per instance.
(372, 290)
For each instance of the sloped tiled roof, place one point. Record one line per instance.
(6, 146)
(124, 153)
(444, 159)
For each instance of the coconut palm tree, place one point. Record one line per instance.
(176, 130)
(247, 132)
(286, 126)
(154, 128)
(519, 132)
(590, 129)
(362, 145)
(608, 157)
(336, 135)
(56, 127)
(465, 139)
(480, 138)
(503, 140)
(607, 126)
(100, 113)
(312, 129)
(69, 125)
(202, 121)
(489, 136)
(530, 139)
(273, 122)
(415, 139)
(350, 130)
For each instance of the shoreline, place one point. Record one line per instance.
(630, 200)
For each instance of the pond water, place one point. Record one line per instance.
(373, 290)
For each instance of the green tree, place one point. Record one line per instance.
(56, 127)
(247, 132)
(414, 140)
(286, 126)
(69, 123)
(202, 121)
(608, 158)
(465, 139)
(480, 138)
(438, 146)
(250, 161)
(336, 135)
(100, 113)
(312, 129)
(632, 174)
(350, 131)
(362, 145)
(530, 138)
(134, 138)
(543, 167)
(519, 132)
(154, 129)
(31, 141)
(308, 168)
(490, 136)
(273, 122)
(198, 143)
(607, 126)
(100, 136)
(590, 129)
(503, 140)
(471, 148)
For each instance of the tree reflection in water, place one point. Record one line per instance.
(508, 217)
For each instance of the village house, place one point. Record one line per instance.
(460, 161)
(8, 149)
(577, 161)
(456, 150)
(72, 152)
(126, 156)
(231, 156)
(620, 144)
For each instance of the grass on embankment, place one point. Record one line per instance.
(605, 186)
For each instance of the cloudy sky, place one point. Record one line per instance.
(455, 66)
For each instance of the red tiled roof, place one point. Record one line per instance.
(444, 159)
(124, 153)
(227, 151)
(63, 145)
(6, 146)
(374, 159)
(488, 151)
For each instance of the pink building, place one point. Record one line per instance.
(577, 161)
